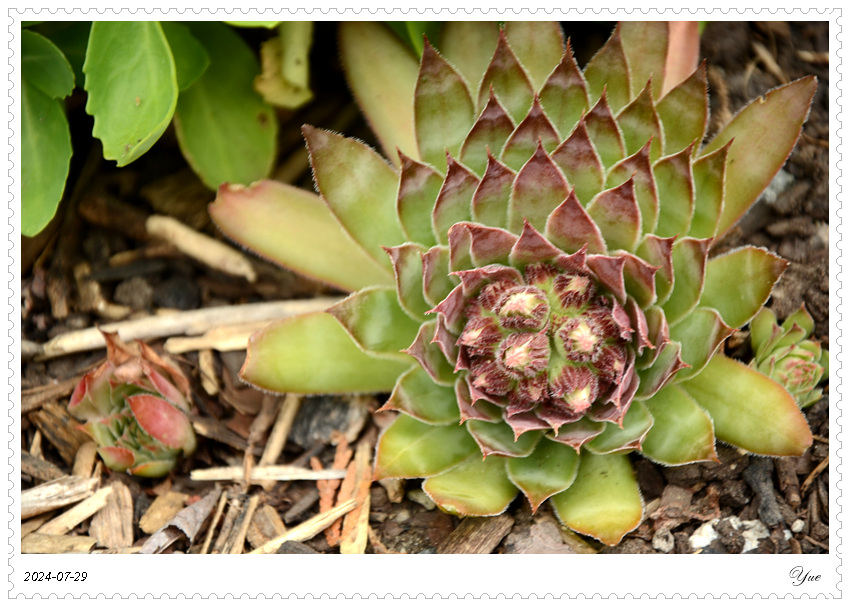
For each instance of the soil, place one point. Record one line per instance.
(741, 504)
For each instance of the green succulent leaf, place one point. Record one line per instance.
(508, 80)
(683, 432)
(45, 157)
(190, 56)
(617, 214)
(292, 355)
(226, 131)
(414, 33)
(639, 123)
(132, 87)
(498, 438)
(645, 46)
(410, 448)
(738, 284)
(418, 189)
(684, 113)
(604, 500)
(360, 188)
(675, 182)
(538, 45)
(608, 71)
(616, 439)
(293, 221)
(376, 322)
(750, 410)
(760, 148)
(418, 396)
(44, 66)
(701, 333)
(709, 192)
(382, 74)
(474, 488)
(564, 95)
(469, 46)
(407, 265)
(538, 189)
(551, 468)
(689, 263)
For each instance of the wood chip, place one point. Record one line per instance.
(188, 523)
(34, 398)
(477, 535)
(327, 489)
(811, 478)
(112, 526)
(234, 508)
(35, 446)
(39, 469)
(355, 525)
(207, 250)
(222, 502)
(56, 494)
(60, 430)
(265, 526)
(32, 524)
(308, 529)
(85, 460)
(163, 509)
(69, 519)
(209, 377)
(280, 432)
(217, 431)
(38, 543)
(236, 542)
(190, 322)
(259, 474)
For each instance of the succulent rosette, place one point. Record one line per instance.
(532, 281)
(785, 354)
(135, 406)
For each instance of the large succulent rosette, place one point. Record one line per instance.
(533, 282)
(135, 406)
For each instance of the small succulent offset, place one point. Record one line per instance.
(785, 354)
(134, 406)
(533, 280)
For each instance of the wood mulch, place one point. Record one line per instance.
(289, 474)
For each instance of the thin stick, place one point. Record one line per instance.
(264, 473)
(306, 530)
(66, 521)
(192, 322)
(222, 502)
(279, 433)
(811, 478)
(242, 532)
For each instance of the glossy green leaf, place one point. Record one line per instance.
(412, 449)
(415, 32)
(418, 396)
(131, 84)
(604, 500)
(498, 439)
(313, 354)
(190, 56)
(701, 333)
(538, 45)
(469, 46)
(682, 433)
(381, 72)
(738, 284)
(44, 66)
(689, 263)
(443, 109)
(750, 410)
(45, 157)
(474, 488)
(359, 187)
(376, 322)
(764, 134)
(550, 469)
(227, 133)
(294, 221)
(614, 439)
(265, 24)
(72, 38)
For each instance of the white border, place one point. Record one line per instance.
(512, 576)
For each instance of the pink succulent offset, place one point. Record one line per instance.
(532, 281)
(135, 406)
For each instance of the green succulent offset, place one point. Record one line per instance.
(533, 282)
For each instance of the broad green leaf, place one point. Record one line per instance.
(764, 134)
(411, 449)
(684, 113)
(674, 180)
(72, 38)
(418, 396)
(550, 469)
(749, 410)
(376, 322)
(738, 284)
(226, 131)
(474, 488)
(614, 439)
(45, 157)
(443, 109)
(131, 84)
(297, 231)
(44, 66)
(701, 333)
(498, 438)
(360, 188)
(641, 126)
(415, 32)
(266, 24)
(709, 191)
(382, 72)
(604, 500)
(313, 354)
(469, 46)
(682, 433)
(689, 263)
(190, 57)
